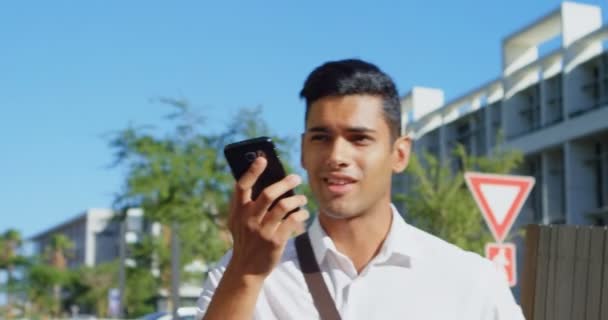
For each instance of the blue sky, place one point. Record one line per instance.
(72, 72)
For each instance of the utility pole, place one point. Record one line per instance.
(175, 268)
(122, 248)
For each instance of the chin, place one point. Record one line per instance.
(339, 211)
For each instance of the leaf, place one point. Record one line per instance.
(439, 202)
(180, 177)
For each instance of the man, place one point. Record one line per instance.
(373, 263)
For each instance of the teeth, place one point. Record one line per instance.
(337, 181)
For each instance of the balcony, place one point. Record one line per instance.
(591, 91)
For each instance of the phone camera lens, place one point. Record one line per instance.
(250, 156)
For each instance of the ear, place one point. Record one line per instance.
(401, 153)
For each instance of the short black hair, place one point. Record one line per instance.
(350, 77)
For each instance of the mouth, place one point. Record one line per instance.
(339, 185)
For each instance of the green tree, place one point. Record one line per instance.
(181, 178)
(178, 181)
(439, 201)
(89, 287)
(57, 252)
(10, 259)
(141, 292)
(45, 277)
(40, 279)
(175, 178)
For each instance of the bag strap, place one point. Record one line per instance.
(314, 279)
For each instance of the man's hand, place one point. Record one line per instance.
(260, 235)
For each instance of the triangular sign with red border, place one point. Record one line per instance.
(500, 198)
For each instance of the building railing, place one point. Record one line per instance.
(493, 91)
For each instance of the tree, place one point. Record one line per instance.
(10, 259)
(178, 181)
(57, 254)
(141, 292)
(89, 287)
(45, 276)
(40, 279)
(182, 181)
(175, 178)
(439, 201)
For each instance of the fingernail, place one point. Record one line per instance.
(295, 178)
(304, 217)
(258, 162)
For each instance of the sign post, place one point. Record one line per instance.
(503, 255)
(500, 198)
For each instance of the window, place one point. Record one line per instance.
(553, 100)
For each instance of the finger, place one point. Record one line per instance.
(291, 225)
(274, 191)
(275, 216)
(245, 183)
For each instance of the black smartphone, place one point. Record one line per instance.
(241, 154)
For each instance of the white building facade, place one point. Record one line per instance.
(95, 236)
(553, 108)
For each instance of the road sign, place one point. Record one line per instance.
(114, 302)
(503, 257)
(500, 198)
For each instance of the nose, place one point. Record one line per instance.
(338, 156)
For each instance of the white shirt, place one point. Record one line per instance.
(414, 276)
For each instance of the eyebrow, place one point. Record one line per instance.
(350, 129)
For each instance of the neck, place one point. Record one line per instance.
(361, 237)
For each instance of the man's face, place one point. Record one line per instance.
(349, 155)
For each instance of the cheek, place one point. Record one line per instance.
(309, 164)
(306, 162)
(312, 156)
(304, 157)
(376, 164)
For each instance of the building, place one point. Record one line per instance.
(96, 238)
(553, 107)
(94, 234)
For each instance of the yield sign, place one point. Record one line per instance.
(499, 197)
(503, 257)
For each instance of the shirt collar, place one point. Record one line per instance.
(320, 241)
(399, 247)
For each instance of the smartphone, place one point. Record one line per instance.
(241, 154)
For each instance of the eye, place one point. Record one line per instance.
(319, 137)
(362, 139)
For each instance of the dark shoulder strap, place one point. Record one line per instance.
(314, 280)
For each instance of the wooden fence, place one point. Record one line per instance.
(565, 273)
